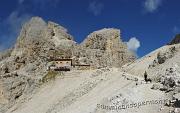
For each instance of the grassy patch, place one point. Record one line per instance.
(51, 75)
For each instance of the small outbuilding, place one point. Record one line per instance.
(61, 64)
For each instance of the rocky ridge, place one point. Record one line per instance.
(24, 66)
(162, 67)
(104, 48)
(175, 40)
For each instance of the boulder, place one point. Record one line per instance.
(171, 79)
(162, 56)
(157, 86)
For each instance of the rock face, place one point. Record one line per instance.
(163, 56)
(171, 78)
(37, 38)
(100, 49)
(23, 66)
(176, 40)
(104, 48)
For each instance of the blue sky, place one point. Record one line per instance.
(144, 24)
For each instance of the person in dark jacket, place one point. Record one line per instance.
(146, 78)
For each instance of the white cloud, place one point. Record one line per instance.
(15, 21)
(152, 5)
(133, 44)
(176, 30)
(95, 7)
(10, 28)
(41, 3)
(20, 1)
(1, 48)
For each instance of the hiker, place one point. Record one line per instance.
(146, 79)
(145, 76)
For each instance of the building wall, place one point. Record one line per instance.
(63, 64)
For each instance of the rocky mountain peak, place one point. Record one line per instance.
(108, 32)
(33, 28)
(31, 31)
(176, 40)
(58, 34)
(104, 48)
(38, 37)
(37, 32)
(37, 29)
(55, 25)
(100, 49)
(26, 64)
(103, 38)
(37, 21)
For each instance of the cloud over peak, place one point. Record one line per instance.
(152, 5)
(176, 29)
(40, 3)
(133, 44)
(20, 1)
(10, 28)
(95, 7)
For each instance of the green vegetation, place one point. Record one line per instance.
(59, 53)
(51, 75)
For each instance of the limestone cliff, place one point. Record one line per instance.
(23, 66)
(104, 48)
